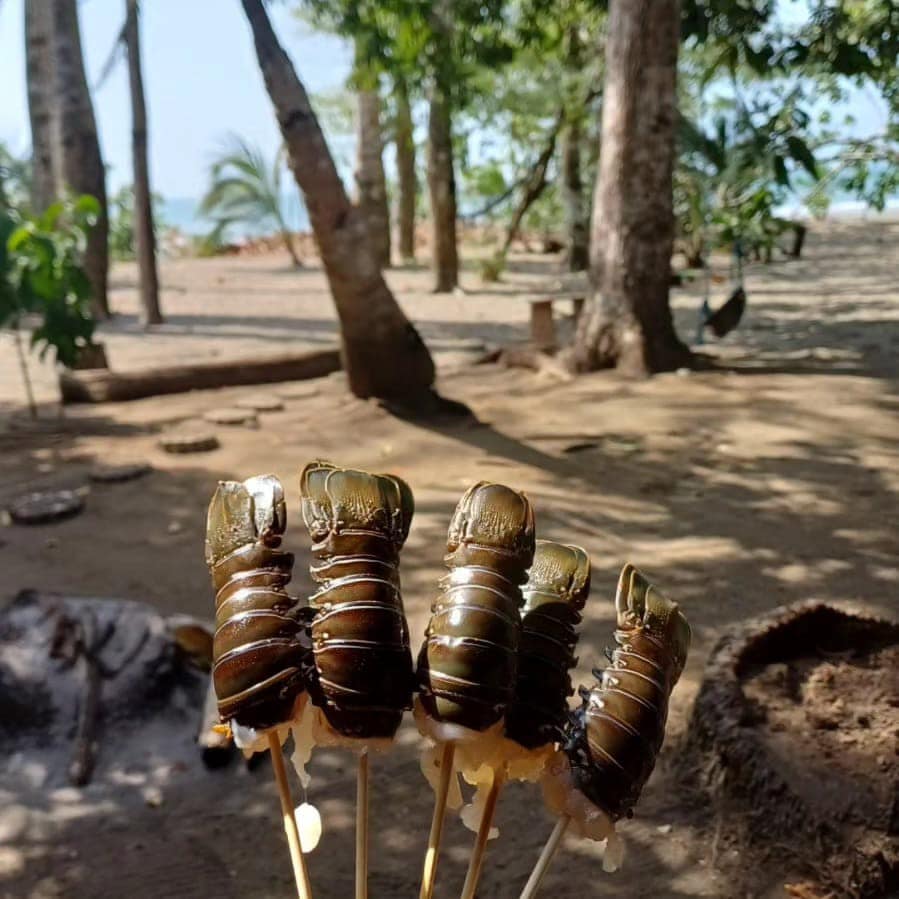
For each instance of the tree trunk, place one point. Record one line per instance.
(82, 163)
(577, 253)
(407, 186)
(42, 108)
(144, 231)
(287, 237)
(441, 169)
(628, 323)
(442, 191)
(383, 355)
(572, 186)
(370, 182)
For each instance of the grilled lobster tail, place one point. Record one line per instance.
(261, 646)
(358, 522)
(616, 735)
(466, 668)
(557, 588)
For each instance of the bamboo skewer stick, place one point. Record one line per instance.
(546, 857)
(430, 869)
(301, 875)
(362, 826)
(480, 845)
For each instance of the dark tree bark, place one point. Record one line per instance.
(42, 107)
(407, 186)
(370, 181)
(628, 324)
(383, 355)
(144, 231)
(82, 162)
(442, 192)
(441, 167)
(572, 186)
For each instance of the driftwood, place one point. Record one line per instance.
(102, 386)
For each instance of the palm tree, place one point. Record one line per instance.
(383, 355)
(245, 188)
(144, 229)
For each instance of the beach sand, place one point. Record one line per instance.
(769, 480)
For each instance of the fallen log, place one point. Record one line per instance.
(105, 385)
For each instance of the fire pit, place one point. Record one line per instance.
(797, 725)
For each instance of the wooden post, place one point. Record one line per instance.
(543, 328)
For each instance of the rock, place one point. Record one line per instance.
(262, 402)
(46, 507)
(189, 440)
(232, 416)
(116, 474)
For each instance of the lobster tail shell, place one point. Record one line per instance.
(363, 665)
(260, 647)
(467, 665)
(615, 736)
(557, 589)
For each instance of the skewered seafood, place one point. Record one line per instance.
(466, 669)
(554, 596)
(261, 645)
(358, 522)
(614, 738)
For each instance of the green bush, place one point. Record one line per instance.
(41, 274)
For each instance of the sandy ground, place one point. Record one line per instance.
(770, 480)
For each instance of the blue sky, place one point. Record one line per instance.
(201, 78)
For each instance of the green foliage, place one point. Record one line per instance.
(731, 177)
(15, 181)
(41, 274)
(244, 188)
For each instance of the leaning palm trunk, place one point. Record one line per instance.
(628, 324)
(405, 171)
(82, 164)
(144, 231)
(370, 180)
(42, 108)
(383, 354)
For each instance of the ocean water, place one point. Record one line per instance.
(183, 213)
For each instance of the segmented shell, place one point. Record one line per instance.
(557, 588)
(467, 665)
(260, 645)
(358, 522)
(617, 733)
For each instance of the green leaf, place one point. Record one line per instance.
(780, 171)
(803, 155)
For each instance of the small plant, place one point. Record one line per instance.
(41, 275)
(491, 268)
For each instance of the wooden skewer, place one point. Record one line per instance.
(430, 870)
(362, 827)
(301, 875)
(480, 844)
(546, 856)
